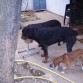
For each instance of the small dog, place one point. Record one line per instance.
(69, 58)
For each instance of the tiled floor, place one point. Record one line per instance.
(75, 74)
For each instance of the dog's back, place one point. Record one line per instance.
(69, 58)
(50, 23)
(75, 55)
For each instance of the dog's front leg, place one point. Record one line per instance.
(45, 49)
(66, 61)
(68, 66)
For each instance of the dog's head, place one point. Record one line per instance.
(57, 60)
(25, 36)
(55, 63)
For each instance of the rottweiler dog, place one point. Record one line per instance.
(48, 24)
(47, 36)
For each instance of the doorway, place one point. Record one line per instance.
(39, 4)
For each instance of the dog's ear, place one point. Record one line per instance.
(24, 32)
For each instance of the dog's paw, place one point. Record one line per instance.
(45, 61)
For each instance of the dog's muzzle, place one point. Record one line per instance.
(27, 40)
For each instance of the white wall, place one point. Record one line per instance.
(24, 5)
(57, 6)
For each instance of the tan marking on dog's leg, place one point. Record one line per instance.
(46, 59)
(42, 55)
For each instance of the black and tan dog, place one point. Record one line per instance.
(69, 58)
(47, 24)
(48, 36)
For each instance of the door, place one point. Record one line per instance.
(42, 4)
(36, 4)
(39, 4)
